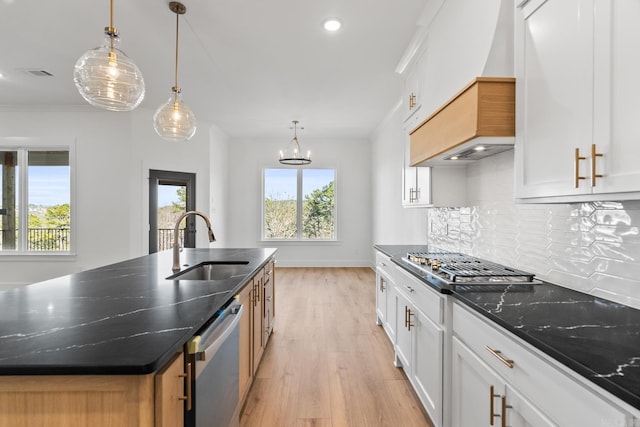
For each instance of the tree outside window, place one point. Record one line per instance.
(38, 219)
(299, 204)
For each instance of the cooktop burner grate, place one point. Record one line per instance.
(460, 268)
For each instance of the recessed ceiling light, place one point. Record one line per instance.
(332, 24)
(480, 148)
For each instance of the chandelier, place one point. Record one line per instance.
(292, 155)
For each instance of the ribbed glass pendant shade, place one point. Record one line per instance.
(107, 78)
(174, 120)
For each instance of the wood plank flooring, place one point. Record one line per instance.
(327, 363)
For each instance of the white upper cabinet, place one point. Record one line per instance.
(616, 112)
(576, 90)
(410, 95)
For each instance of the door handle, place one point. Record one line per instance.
(187, 386)
(594, 174)
(576, 166)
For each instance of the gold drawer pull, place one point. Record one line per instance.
(594, 155)
(500, 356)
(577, 159)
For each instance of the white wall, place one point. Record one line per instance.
(392, 224)
(113, 152)
(219, 189)
(351, 158)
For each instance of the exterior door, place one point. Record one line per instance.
(170, 195)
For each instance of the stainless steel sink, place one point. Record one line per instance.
(212, 270)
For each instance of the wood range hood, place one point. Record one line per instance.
(477, 122)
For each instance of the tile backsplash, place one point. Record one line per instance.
(592, 247)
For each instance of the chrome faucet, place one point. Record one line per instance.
(176, 236)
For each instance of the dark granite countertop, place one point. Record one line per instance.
(596, 338)
(124, 318)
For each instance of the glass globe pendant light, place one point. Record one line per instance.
(174, 120)
(292, 155)
(107, 78)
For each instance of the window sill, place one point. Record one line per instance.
(299, 242)
(42, 256)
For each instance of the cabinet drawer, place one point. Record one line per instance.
(268, 271)
(421, 295)
(384, 263)
(534, 374)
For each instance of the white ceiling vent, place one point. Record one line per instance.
(36, 72)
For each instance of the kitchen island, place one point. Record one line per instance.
(107, 335)
(592, 337)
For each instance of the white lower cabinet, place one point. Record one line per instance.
(499, 381)
(419, 341)
(481, 398)
(469, 371)
(385, 302)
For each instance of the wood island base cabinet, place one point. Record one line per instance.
(258, 298)
(94, 400)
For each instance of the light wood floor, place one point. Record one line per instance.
(327, 363)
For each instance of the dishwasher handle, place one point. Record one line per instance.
(217, 335)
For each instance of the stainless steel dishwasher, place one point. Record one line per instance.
(213, 355)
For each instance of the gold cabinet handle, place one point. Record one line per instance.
(255, 294)
(406, 316)
(492, 396)
(410, 289)
(504, 411)
(409, 324)
(187, 386)
(594, 155)
(577, 159)
(500, 356)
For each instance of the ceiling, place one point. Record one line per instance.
(247, 66)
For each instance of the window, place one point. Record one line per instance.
(35, 193)
(299, 204)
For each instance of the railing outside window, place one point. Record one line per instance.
(44, 239)
(57, 239)
(165, 238)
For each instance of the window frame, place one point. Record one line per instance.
(23, 145)
(299, 207)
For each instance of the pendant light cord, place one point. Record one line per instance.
(111, 31)
(177, 24)
(111, 14)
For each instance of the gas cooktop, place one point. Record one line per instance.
(456, 269)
